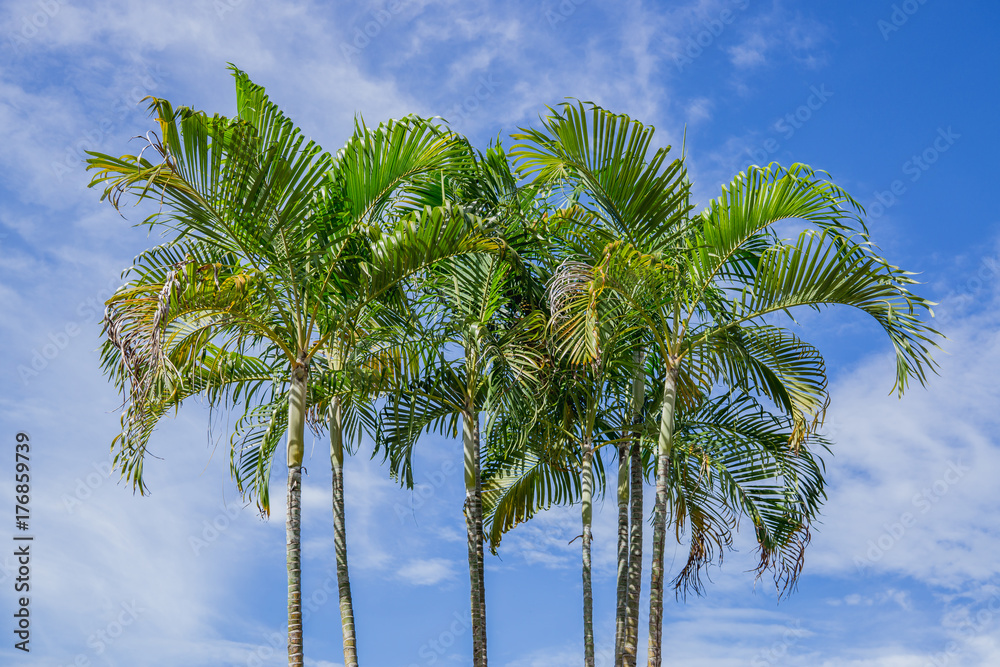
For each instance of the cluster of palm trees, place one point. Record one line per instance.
(561, 304)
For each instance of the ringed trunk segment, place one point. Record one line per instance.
(474, 528)
(296, 449)
(587, 487)
(292, 556)
(621, 609)
(297, 411)
(663, 451)
(630, 647)
(340, 535)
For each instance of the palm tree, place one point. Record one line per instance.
(479, 346)
(381, 171)
(711, 321)
(467, 295)
(630, 193)
(603, 385)
(260, 241)
(240, 190)
(707, 288)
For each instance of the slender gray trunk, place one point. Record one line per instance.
(663, 450)
(296, 449)
(474, 529)
(631, 643)
(587, 488)
(340, 535)
(621, 608)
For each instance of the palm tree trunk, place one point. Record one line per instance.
(340, 535)
(621, 608)
(631, 646)
(663, 450)
(296, 450)
(587, 488)
(474, 526)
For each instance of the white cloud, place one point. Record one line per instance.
(751, 52)
(426, 572)
(210, 585)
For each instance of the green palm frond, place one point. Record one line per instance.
(244, 184)
(389, 166)
(733, 459)
(821, 269)
(635, 190)
(514, 491)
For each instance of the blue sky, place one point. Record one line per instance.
(896, 100)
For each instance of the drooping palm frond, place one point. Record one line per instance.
(782, 367)
(733, 459)
(517, 489)
(735, 228)
(821, 269)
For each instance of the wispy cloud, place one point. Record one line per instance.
(428, 572)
